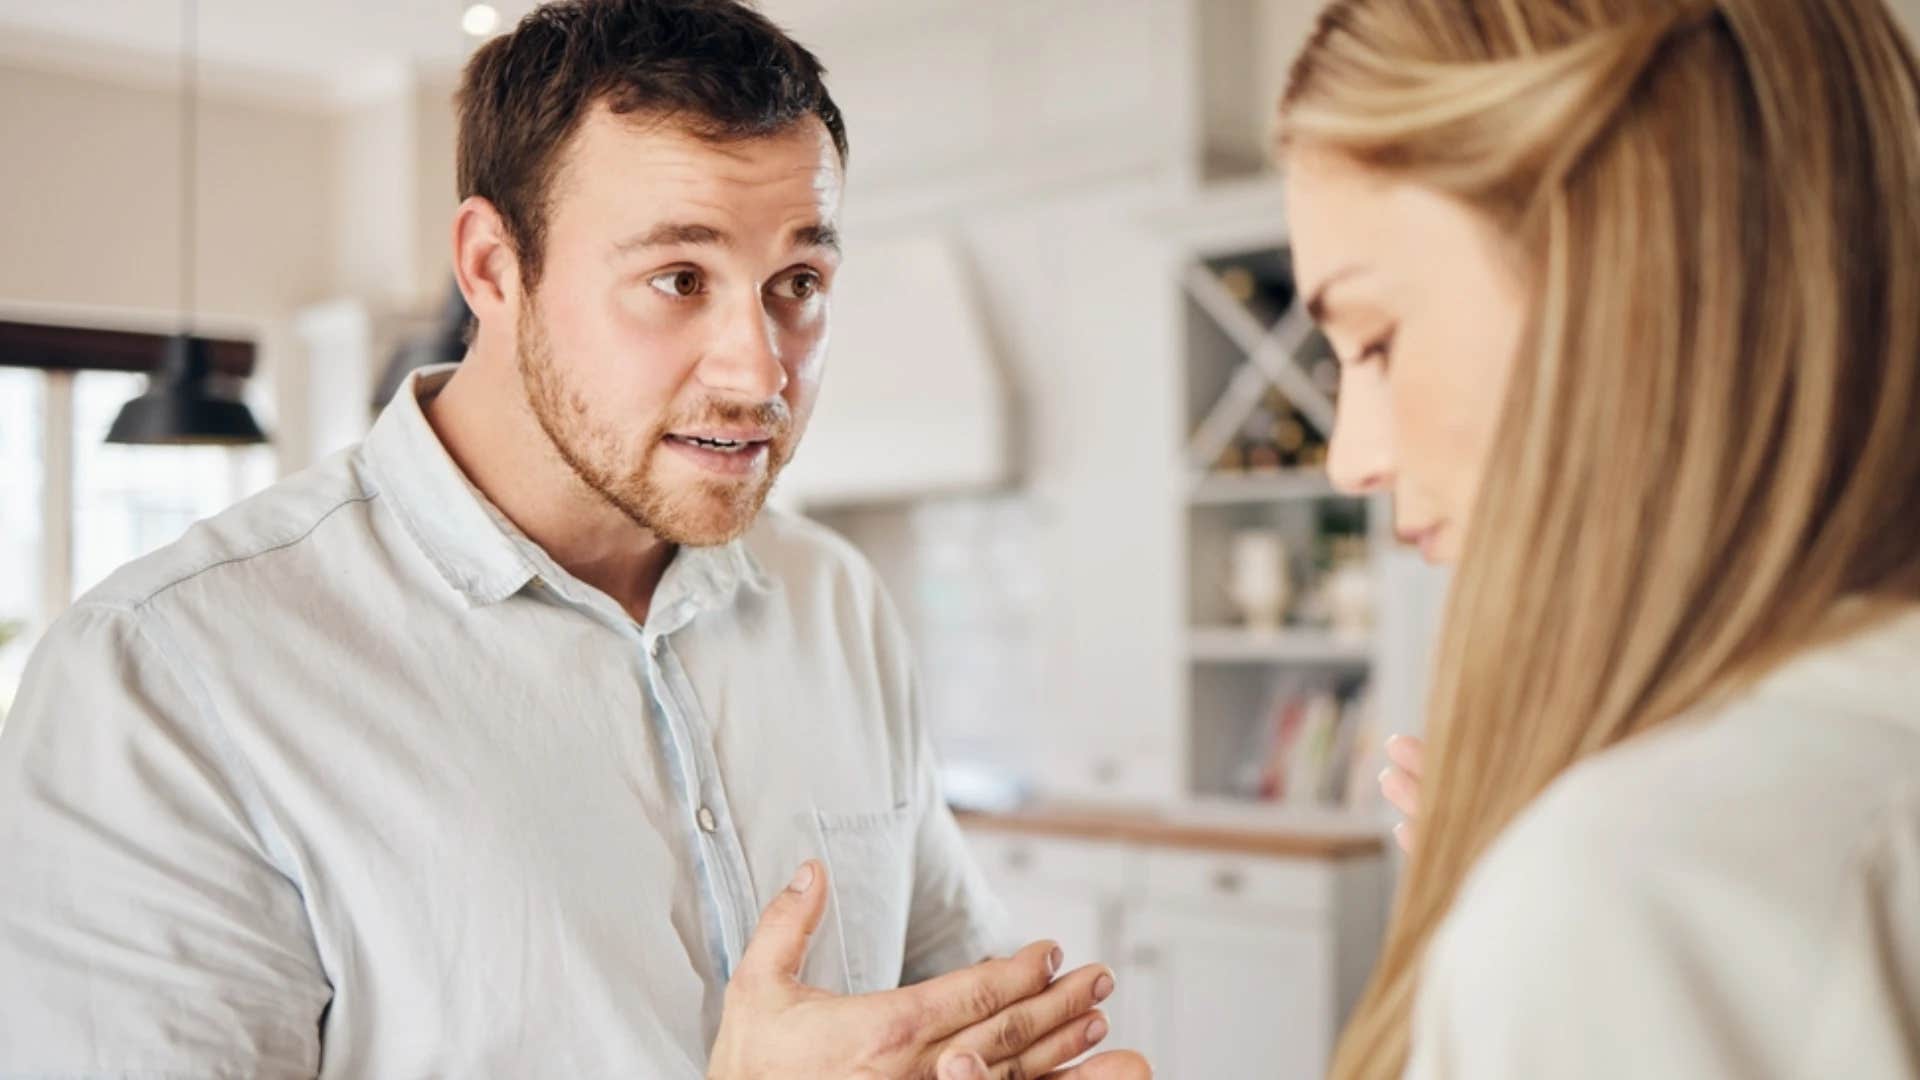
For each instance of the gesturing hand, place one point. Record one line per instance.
(1011, 1015)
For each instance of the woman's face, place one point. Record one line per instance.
(1425, 309)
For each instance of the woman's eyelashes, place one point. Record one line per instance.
(1379, 351)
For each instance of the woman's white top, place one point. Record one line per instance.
(1736, 897)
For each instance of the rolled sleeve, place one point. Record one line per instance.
(144, 928)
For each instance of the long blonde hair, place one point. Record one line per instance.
(1712, 434)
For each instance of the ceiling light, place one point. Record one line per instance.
(480, 20)
(186, 401)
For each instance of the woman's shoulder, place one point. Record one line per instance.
(1708, 878)
(1767, 785)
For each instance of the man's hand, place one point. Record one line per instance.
(1400, 783)
(1012, 1014)
(1116, 1065)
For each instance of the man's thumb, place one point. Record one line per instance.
(779, 943)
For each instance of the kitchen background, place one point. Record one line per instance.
(1073, 416)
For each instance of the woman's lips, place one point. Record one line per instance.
(1426, 538)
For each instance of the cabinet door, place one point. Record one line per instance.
(1137, 1009)
(1232, 996)
(1067, 890)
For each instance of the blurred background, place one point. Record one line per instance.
(1073, 414)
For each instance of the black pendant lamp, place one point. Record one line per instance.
(187, 401)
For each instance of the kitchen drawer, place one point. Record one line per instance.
(1306, 886)
(1089, 865)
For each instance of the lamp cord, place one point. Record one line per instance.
(189, 146)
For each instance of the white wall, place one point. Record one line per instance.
(90, 198)
(90, 220)
(1046, 617)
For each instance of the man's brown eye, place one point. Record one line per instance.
(677, 283)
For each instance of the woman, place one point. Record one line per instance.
(1627, 294)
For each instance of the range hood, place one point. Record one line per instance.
(915, 403)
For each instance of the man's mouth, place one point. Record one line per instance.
(734, 454)
(739, 443)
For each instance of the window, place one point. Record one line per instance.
(130, 500)
(73, 516)
(22, 395)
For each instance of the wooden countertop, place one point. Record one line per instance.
(1239, 833)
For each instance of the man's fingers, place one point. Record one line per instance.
(1009, 1034)
(961, 999)
(1056, 1047)
(955, 1065)
(779, 943)
(1401, 790)
(1114, 1065)
(1409, 754)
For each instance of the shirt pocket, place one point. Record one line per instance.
(861, 944)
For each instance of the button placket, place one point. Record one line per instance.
(734, 892)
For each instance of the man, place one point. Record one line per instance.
(476, 750)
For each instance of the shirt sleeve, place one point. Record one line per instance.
(955, 920)
(144, 928)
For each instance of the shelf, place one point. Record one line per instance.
(1270, 352)
(1232, 645)
(1228, 489)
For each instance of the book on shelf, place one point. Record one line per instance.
(1316, 745)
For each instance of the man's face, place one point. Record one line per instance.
(674, 345)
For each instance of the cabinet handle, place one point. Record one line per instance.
(1228, 880)
(1019, 858)
(1145, 956)
(1106, 771)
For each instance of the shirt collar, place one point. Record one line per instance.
(484, 556)
(449, 519)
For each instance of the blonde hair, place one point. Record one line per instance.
(1709, 453)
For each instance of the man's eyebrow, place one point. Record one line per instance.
(1317, 303)
(674, 234)
(821, 236)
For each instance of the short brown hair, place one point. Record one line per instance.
(716, 67)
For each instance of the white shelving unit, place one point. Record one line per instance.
(1230, 359)
(1225, 645)
(1258, 488)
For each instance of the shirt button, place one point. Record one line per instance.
(705, 817)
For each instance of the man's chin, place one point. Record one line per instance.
(707, 518)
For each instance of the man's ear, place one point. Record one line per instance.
(484, 262)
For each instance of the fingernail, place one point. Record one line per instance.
(1384, 773)
(802, 879)
(1102, 988)
(962, 1067)
(1096, 1030)
(1394, 740)
(1400, 833)
(1054, 960)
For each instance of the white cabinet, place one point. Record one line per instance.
(1228, 996)
(1053, 888)
(1228, 965)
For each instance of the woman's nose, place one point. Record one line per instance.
(1360, 457)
